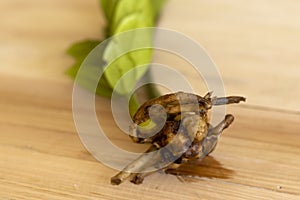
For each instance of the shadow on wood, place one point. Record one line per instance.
(207, 168)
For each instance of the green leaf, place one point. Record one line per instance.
(88, 77)
(131, 60)
(121, 15)
(108, 7)
(127, 8)
(81, 49)
(79, 52)
(157, 5)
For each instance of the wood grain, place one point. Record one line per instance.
(41, 156)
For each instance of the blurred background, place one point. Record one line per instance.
(257, 41)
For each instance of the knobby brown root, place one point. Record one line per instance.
(175, 149)
(183, 105)
(178, 98)
(210, 142)
(139, 164)
(139, 177)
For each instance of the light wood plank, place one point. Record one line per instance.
(255, 44)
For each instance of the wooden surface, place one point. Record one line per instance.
(254, 43)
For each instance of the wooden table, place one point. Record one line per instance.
(256, 47)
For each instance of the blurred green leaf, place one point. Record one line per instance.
(131, 60)
(108, 7)
(81, 49)
(79, 52)
(142, 10)
(157, 5)
(121, 16)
